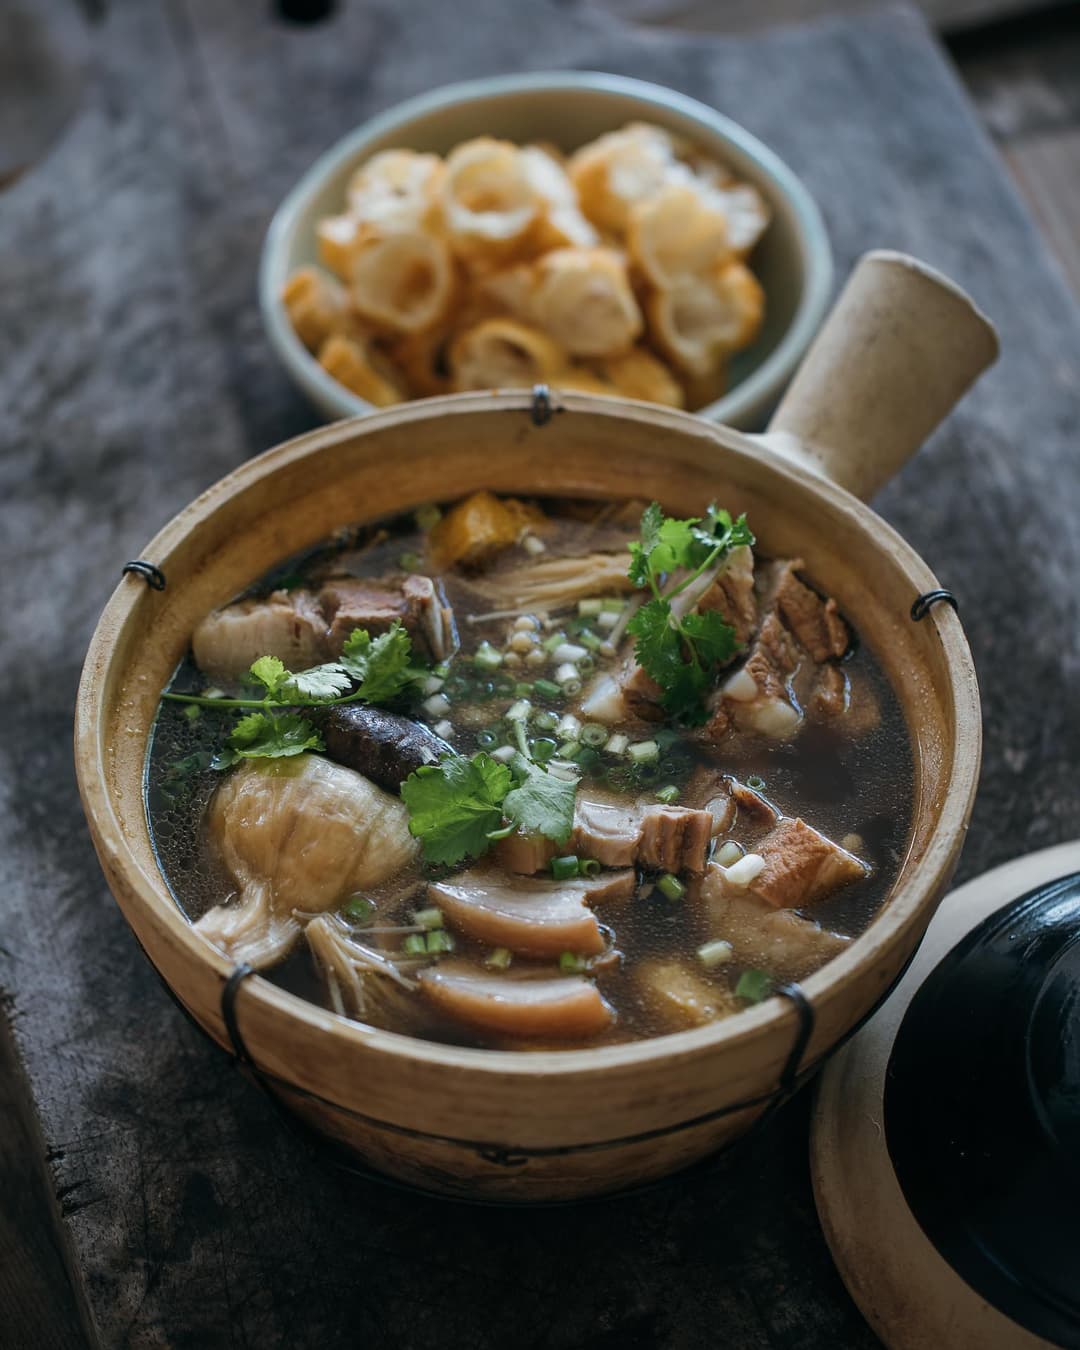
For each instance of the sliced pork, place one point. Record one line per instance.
(559, 1008)
(529, 916)
(802, 865)
(777, 940)
(287, 624)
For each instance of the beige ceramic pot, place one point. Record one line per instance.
(901, 346)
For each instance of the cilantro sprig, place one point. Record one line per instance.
(681, 652)
(369, 670)
(461, 805)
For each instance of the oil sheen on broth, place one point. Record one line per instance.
(708, 862)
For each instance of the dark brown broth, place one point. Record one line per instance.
(837, 783)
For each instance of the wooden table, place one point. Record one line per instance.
(133, 373)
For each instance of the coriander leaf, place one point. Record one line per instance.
(318, 684)
(453, 805)
(713, 638)
(658, 648)
(674, 547)
(380, 666)
(270, 672)
(268, 736)
(684, 697)
(541, 803)
(665, 544)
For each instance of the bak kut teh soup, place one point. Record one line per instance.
(531, 773)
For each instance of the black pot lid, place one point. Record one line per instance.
(946, 1141)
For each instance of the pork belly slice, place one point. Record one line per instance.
(675, 838)
(362, 602)
(619, 833)
(731, 593)
(607, 829)
(779, 941)
(562, 1008)
(532, 917)
(802, 865)
(679, 996)
(815, 622)
(287, 624)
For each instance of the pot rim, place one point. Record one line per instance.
(758, 389)
(151, 890)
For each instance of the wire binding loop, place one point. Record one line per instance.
(153, 576)
(789, 1077)
(541, 410)
(923, 603)
(229, 994)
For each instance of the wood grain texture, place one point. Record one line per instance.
(133, 373)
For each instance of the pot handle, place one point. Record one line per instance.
(900, 347)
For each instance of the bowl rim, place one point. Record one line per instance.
(761, 387)
(153, 894)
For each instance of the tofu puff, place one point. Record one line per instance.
(619, 270)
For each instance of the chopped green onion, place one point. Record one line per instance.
(487, 657)
(716, 953)
(668, 794)
(572, 964)
(499, 959)
(589, 608)
(439, 940)
(519, 711)
(545, 720)
(553, 640)
(445, 728)
(616, 744)
(754, 985)
(644, 752)
(587, 759)
(192, 712)
(411, 562)
(729, 852)
(607, 622)
(671, 887)
(588, 638)
(442, 669)
(543, 749)
(427, 517)
(504, 754)
(594, 733)
(569, 749)
(213, 692)
(755, 782)
(612, 606)
(358, 909)
(562, 869)
(589, 867)
(522, 689)
(571, 688)
(506, 831)
(586, 664)
(428, 918)
(547, 688)
(414, 945)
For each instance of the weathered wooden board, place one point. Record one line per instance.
(133, 373)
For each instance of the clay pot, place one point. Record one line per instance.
(900, 347)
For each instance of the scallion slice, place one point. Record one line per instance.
(562, 869)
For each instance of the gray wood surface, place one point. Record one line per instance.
(133, 373)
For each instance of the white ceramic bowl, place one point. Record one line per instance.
(793, 260)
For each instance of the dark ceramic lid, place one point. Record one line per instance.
(946, 1144)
